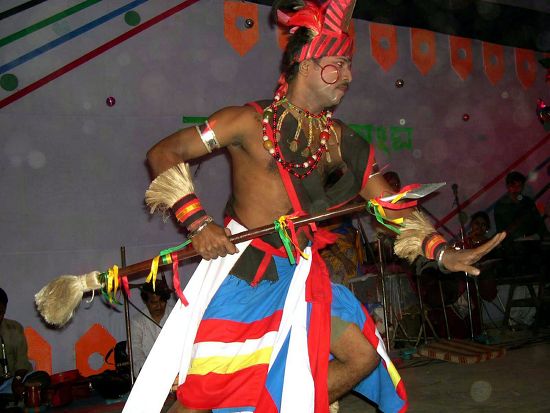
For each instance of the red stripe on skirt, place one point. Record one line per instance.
(229, 331)
(213, 390)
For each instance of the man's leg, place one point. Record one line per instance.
(354, 359)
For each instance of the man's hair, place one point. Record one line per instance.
(289, 63)
(3, 297)
(161, 289)
(514, 177)
(391, 174)
(483, 215)
(296, 41)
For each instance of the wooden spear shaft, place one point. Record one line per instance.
(135, 270)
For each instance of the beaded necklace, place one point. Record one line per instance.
(272, 146)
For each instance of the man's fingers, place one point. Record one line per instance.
(491, 244)
(471, 270)
(231, 248)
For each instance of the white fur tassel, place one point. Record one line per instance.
(415, 229)
(169, 187)
(58, 300)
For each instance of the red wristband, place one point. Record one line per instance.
(432, 245)
(188, 210)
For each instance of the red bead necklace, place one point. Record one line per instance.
(272, 146)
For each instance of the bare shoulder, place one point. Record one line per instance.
(235, 122)
(234, 115)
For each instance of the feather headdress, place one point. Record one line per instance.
(328, 24)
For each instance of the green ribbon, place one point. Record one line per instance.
(165, 258)
(169, 251)
(285, 240)
(372, 209)
(103, 281)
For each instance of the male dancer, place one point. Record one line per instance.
(288, 156)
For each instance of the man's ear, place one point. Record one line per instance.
(304, 67)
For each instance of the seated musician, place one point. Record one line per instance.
(517, 214)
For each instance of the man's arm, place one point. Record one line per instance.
(21, 361)
(451, 259)
(138, 354)
(227, 127)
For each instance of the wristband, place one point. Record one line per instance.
(432, 245)
(440, 262)
(188, 210)
(201, 227)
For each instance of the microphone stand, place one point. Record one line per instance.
(463, 244)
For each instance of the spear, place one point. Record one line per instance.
(58, 300)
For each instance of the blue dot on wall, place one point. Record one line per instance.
(132, 18)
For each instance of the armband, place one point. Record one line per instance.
(208, 136)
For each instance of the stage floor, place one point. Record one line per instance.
(518, 382)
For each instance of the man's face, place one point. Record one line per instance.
(156, 306)
(331, 77)
(514, 189)
(479, 227)
(394, 182)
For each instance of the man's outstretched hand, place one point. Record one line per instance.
(462, 260)
(213, 242)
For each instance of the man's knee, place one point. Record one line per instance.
(354, 350)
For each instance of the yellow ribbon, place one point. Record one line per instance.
(381, 211)
(153, 273)
(112, 283)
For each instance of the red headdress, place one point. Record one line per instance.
(328, 25)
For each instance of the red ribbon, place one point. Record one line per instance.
(125, 285)
(401, 205)
(319, 294)
(176, 279)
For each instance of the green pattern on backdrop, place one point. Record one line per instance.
(387, 139)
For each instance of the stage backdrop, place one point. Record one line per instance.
(87, 87)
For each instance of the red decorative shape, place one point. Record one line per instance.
(39, 350)
(241, 38)
(526, 67)
(383, 41)
(96, 340)
(493, 61)
(461, 56)
(423, 49)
